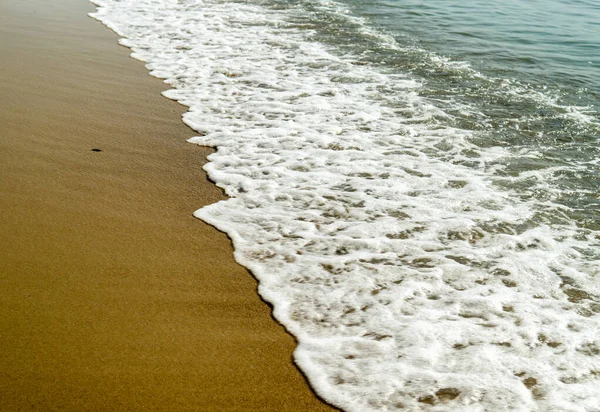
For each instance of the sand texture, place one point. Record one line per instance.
(112, 295)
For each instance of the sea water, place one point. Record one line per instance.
(414, 184)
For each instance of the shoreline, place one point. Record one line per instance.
(112, 295)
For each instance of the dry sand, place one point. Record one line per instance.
(112, 296)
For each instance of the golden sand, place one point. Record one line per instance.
(112, 296)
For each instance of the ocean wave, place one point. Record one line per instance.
(415, 268)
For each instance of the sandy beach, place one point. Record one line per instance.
(112, 295)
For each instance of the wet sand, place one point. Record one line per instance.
(112, 295)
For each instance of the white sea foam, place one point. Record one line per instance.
(412, 276)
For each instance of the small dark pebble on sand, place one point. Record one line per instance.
(96, 150)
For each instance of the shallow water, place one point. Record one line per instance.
(416, 187)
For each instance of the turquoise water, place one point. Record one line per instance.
(553, 43)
